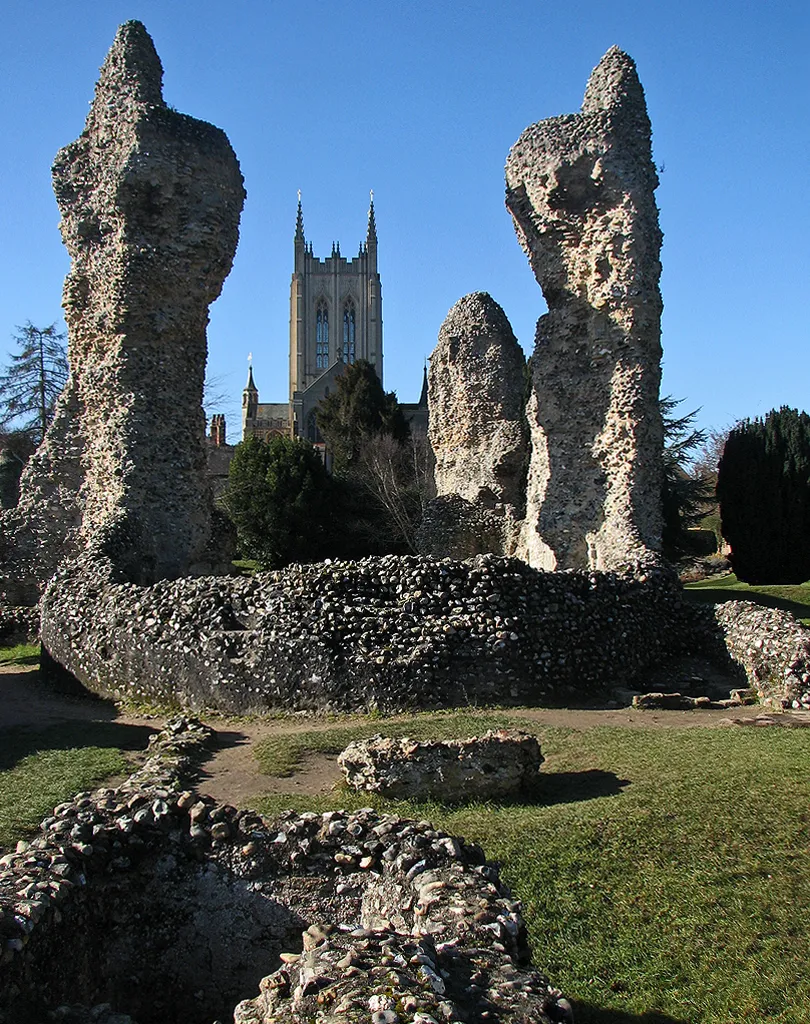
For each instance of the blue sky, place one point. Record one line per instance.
(421, 101)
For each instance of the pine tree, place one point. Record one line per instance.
(684, 494)
(763, 485)
(34, 380)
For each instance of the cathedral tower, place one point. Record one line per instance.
(335, 318)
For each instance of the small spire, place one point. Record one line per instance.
(423, 397)
(371, 234)
(299, 221)
(250, 386)
(337, 250)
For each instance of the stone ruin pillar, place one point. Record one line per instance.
(476, 390)
(580, 190)
(150, 202)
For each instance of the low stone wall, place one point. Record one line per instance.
(501, 763)
(172, 908)
(391, 633)
(19, 624)
(772, 647)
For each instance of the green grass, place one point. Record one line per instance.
(794, 599)
(663, 872)
(246, 566)
(41, 769)
(20, 654)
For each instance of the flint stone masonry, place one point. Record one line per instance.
(150, 202)
(160, 905)
(11, 468)
(500, 763)
(19, 624)
(43, 527)
(771, 646)
(476, 385)
(580, 190)
(391, 633)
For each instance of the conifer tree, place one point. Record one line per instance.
(763, 486)
(684, 494)
(33, 381)
(358, 409)
(280, 500)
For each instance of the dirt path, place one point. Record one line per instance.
(231, 775)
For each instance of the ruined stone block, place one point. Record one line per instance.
(501, 763)
(580, 189)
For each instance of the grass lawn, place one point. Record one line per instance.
(41, 769)
(20, 654)
(663, 872)
(794, 599)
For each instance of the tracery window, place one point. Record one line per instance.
(349, 331)
(322, 337)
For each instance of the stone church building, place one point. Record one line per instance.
(335, 319)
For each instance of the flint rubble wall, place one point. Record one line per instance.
(580, 189)
(391, 632)
(501, 763)
(772, 647)
(121, 899)
(150, 202)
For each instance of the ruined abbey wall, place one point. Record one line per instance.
(150, 202)
(390, 633)
(580, 189)
(476, 385)
(173, 908)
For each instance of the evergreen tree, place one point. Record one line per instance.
(280, 498)
(763, 486)
(684, 494)
(34, 380)
(356, 410)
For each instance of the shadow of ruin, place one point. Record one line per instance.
(541, 580)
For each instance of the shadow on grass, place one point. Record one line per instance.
(21, 741)
(587, 1013)
(719, 595)
(21, 660)
(571, 787)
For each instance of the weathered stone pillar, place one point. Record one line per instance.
(476, 393)
(580, 190)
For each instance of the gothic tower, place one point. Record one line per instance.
(335, 318)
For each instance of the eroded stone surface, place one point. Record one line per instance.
(476, 386)
(580, 189)
(150, 202)
(390, 633)
(500, 763)
(772, 647)
(172, 908)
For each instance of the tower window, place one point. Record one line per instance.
(349, 331)
(322, 337)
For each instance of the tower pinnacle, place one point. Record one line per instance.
(371, 234)
(299, 221)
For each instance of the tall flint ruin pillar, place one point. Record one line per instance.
(476, 386)
(150, 202)
(580, 189)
